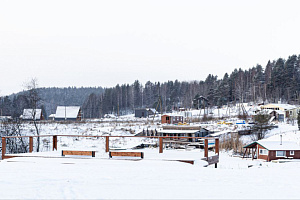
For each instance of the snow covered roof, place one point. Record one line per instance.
(220, 133)
(277, 111)
(283, 106)
(67, 112)
(177, 131)
(110, 116)
(174, 115)
(28, 114)
(275, 145)
(152, 110)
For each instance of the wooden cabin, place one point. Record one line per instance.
(144, 112)
(30, 114)
(171, 119)
(273, 150)
(68, 113)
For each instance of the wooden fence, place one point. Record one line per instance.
(160, 139)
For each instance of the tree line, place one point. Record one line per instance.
(278, 81)
(49, 99)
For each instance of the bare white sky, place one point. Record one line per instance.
(103, 43)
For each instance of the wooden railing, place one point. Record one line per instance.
(160, 138)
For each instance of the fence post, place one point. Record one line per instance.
(217, 149)
(206, 148)
(3, 147)
(217, 146)
(160, 145)
(107, 144)
(55, 142)
(30, 144)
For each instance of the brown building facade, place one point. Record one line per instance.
(273, 150)
(171, 119)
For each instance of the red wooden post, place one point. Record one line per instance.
(217, 149)
(206, 148)
(3, 147)
(54, 142)
(107, 144)
(30, 144)
(160, 145)
(217, 146)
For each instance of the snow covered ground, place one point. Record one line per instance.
(95, 178)
(157, 176)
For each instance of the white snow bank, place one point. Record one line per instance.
(68, 178)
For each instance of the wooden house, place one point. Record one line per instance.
(184, 131)
(68, 113)
(281, 111)
(143, 112)
(200, 102)
(30, 114)
(273, 150)
(171, 119)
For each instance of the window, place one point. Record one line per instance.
(263, 152)
(167, 118)
(292, 153)
(280, 153)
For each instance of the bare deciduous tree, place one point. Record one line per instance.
(32, 94)
(14, 145)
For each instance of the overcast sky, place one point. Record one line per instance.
(103, 43)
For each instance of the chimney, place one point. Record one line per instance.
(280, 139)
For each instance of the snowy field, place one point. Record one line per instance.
(157, 176)
(100, 178)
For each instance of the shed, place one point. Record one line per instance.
(51, 117)
(273, 150)
(143, 112)
(29, 114)
(70, 113)
(171, 119)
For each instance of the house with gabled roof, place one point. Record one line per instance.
(281, 111)
(30, 114)
(273, 150)
(68, 113)
(144, 112)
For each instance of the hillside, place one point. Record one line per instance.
(50, 98)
